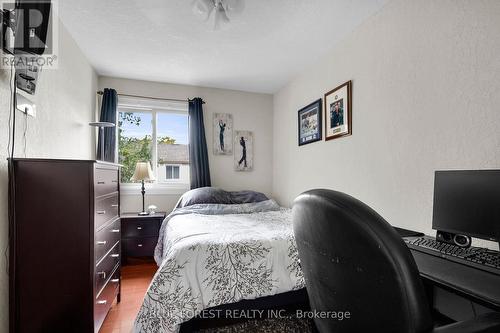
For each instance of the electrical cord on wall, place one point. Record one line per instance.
(9, 166)
(10, 111)
(25, 130)
(11, 172)
(14, 103)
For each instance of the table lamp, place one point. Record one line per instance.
(143, 173)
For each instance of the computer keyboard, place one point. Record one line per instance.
(481, 258)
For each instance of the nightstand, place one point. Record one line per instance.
(140, 234)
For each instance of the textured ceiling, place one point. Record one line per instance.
(162, 40)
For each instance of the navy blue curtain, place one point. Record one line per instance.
(198, 154)
(108, 114)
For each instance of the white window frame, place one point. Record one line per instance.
(154, 107)
(173, 165)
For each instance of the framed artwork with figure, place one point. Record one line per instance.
(223, 134)
(309, 123)
(243, 151)
(338, 112)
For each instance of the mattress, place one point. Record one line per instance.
(212, 254)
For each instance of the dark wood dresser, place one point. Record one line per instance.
(140, 234)
(64, 244)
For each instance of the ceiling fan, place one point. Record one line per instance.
(222, 9)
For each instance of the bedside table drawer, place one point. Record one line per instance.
(139, 247)
(139, 228)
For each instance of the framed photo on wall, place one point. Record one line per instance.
(243, 151)
(223, 134)
(309, 123)
(338, 113)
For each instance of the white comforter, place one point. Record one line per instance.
(218, 254)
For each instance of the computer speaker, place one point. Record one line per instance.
(455, 239)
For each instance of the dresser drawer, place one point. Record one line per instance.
(105, 267)
(105, 181)
(106, 238)
(106, 209)
(139, 228)
(139, 247)
(104, 300)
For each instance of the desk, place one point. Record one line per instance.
(477, 285)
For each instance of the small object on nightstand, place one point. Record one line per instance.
(152, 209)
(140, 234)
(143, 173)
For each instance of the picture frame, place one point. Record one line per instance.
(338, 112)
(243, 151)
(309, 123)
(223, 134)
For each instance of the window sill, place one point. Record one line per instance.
(154, 189)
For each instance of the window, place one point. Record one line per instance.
(172, 171)
(134, 141)
(154, 131)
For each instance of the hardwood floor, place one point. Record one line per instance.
(135, 281)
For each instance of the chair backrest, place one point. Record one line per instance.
(354, 261)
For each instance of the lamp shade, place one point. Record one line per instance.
(143, 172)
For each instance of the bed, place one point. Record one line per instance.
(219, 249)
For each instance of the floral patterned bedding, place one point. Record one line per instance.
(211, 254)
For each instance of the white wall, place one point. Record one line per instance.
(250, 111)
(65, 104)
(426, 96)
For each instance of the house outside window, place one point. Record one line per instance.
(174, 160)
(154, 131)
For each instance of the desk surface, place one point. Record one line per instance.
(481, 286)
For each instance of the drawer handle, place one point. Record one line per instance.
(115, 230)
(101, 212)
(115, 280)
(102, 302)
(103, 274)
(115, 255)
(114, 181)
(114, 205)
(101, 183)
(101, 243)
(139, 245)
(139, 228)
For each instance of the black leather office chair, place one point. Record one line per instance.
(354, 261)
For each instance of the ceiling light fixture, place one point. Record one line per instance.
(222, 10)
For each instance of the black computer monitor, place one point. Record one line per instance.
(467, 202)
